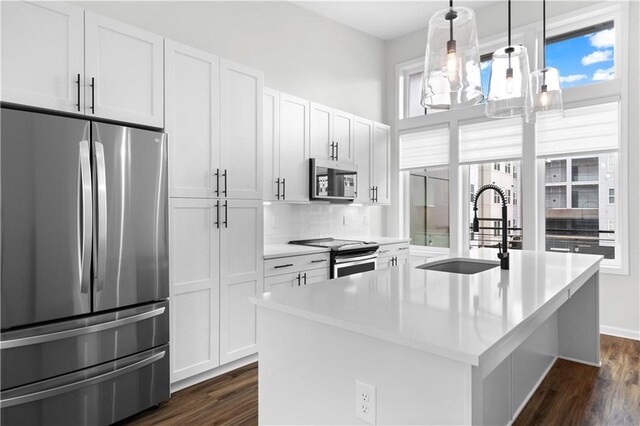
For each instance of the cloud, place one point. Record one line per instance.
(573, 77)
(484, 65)
(597, 56)
(604, 38)
(608, 74)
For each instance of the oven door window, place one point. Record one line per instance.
(355, 268)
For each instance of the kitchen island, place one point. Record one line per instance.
(438, 347)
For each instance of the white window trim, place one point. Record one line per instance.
(531, 173)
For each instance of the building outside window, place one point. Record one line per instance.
(612, 196)
(429, 207)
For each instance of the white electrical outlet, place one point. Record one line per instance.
(345, 219)
(366, 402)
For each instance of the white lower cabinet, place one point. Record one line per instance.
(392, 255)
(195, 287)
(216, 265)
(295, 271)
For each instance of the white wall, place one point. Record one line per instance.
(300, 52)
(619, 295)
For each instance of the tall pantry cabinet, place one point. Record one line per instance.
(214, 122)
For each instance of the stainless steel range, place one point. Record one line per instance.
(347, 256)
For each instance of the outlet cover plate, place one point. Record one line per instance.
(366, 402)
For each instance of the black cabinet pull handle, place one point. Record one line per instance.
(305, 278)
(278, 185)
(403, 248)
(217, 214)
(298, 278)
(226, 176)
(78, 82)
(217, 181)
(337, 151)
(226, 215)
(283, 266)
(93, 95)
(376, 200)
(318, 260)
(284, 189)
(332, 151)
(373, 193)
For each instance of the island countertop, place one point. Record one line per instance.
(452, 315)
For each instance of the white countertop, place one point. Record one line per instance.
(389, 240)
(272, 251)
(452, 315)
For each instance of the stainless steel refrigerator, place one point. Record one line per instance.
(84, 278)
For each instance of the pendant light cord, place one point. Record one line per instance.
(544, 33)
(451, 21)
(509, 23)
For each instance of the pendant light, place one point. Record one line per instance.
(509, 89)
(547, 99)
(451, 76)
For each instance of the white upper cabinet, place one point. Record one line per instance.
(43, 55)
(124, 72)
(241, 130)
(321, 136)
(331, 134)
(381, 163)
(362, 135)
(343, 135)
(294, 148)
(271, 144)
(192, 120)
(241, 276)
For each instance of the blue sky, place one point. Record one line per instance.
(580, 60)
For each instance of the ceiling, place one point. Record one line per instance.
(384, 19)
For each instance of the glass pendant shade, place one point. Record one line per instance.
(451, 76)
(547, 96)
(509, 89)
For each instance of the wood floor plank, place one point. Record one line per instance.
(571, 394)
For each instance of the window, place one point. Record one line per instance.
(515, 202)
(515, 172)
(508, 196)
(496, 166)
(414, 95)
(485, 72)
(507, 167)
(497, 228)
(580, 212)
(429, 207)
(583, 56)
(472, 197)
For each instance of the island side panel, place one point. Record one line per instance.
(579, 324)
(308, 370)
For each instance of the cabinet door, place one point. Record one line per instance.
(192, 120)
(315, 276)
(343, 135)
(271, 144)
(381, 163)
(241, 276)
(125, 64)
(194, 248)
(241, 130)
(294, 147)
(362, 133)
(43, 55)
(281, 281)
(321, 133)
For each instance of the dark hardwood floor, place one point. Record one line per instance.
(571, 394)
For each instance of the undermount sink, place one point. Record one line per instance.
(460, 266)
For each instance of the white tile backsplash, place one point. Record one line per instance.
(286, 222)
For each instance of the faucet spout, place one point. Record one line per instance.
(503, 255)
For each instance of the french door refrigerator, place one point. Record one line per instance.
(84, 278)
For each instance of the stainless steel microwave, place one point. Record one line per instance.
(332, 180)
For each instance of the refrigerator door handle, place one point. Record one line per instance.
(48, 393)
(85, 219)
(49, 337)
(102, 216)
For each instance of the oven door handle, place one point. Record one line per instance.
(348, 260)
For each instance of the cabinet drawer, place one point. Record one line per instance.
(284, 265)
(393, 250)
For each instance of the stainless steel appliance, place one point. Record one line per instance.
(347, 256)
(84, 279)
(332, 180)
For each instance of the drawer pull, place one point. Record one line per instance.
(283, 266)
(403, 248)
(318, 261)
(384, 251)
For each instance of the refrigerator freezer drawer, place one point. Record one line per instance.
(99, 395)
(38, 353)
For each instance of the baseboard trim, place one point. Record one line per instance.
(620, 332)
(214, 372)
(535, 388)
